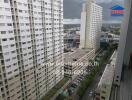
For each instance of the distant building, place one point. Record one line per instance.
(71, 36)
(107, 39)
(91, 23)
(72, 40)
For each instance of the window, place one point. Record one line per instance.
(2, 24)
(104, 92)
(8, 66)
(9, 24)
(20, 10)
(6, 1)
(3, 32)
(1, 16)
(7, 9)
(4, 39)
(15, 70)
(10, 31)
(103, 97)
(13, 51)
(11, 38)
(7, 60)
(10, 72)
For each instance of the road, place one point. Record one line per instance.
(93, 85)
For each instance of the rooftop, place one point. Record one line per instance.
(107, 77)
(74, 56)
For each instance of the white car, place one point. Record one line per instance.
(76, 83)
(91, 93)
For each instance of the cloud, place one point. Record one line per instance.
(104, 1)
(71, 21)
(108, 1)
(99, 1)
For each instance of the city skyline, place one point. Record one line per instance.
(65, 50)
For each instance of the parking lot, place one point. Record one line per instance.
(71, 91)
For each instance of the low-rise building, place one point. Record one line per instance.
(77, 61)
(72, 40)
(104, 87)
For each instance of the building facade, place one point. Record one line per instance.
(91, 23)
(31, 37)
(124, 57)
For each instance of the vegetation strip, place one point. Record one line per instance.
(54, 90)
(89, 78)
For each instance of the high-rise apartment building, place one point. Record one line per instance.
(31, 45)
(91, 23)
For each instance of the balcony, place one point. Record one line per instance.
(1, 62)
(1, 56)
(0, 48)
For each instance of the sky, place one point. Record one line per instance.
(108, 1)
(100, 1)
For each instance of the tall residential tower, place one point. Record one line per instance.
(91, 23)
(31, 37)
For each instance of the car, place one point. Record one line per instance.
(76, 83)
(91, 93)
(70, 92)
(87, 70)
(84, 75)
(81, 77)
(73, 85)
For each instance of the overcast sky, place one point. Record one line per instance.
(100, 1)
(107, 1)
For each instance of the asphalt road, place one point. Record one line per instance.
(93, 85)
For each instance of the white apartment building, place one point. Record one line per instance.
(31, 36)
(91, 23)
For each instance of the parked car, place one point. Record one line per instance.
(82, 77)
(79, 79)
(91, 93)
(74, 85)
